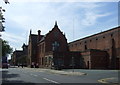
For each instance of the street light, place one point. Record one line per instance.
(73, 63)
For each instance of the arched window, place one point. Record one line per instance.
(55, 46)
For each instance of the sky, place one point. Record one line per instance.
(76, 18)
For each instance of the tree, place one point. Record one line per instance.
(6, 2)
(2, 19)
(6, 49)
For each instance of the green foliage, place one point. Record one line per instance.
(6, 49)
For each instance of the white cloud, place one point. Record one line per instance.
(20, 20)
(91, 18)
(43, 15)
(12, 37)
(14, 40)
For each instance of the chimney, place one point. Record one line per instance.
(30, 31)
(39, 33)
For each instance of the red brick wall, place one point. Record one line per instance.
(99, 60)
(55, 35)
(95, 59)
(108, 41)
(32, 49)
(41, 52)
(45, 47)
(86, 58)
(100, 41)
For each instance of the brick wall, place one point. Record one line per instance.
(45, 45)
(107, 41)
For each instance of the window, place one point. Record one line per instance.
(76, 44)
(111, 35)
(71, 45)
(55, 46)
(103, 36)
(96, 38)
(56, 34)
(90, 40)
(85, 47)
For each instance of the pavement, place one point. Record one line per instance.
(60, 72)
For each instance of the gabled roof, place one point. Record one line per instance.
(24, 45)
(43, 38)
(34, 37)
(55, 27)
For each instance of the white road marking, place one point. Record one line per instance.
(51, 80)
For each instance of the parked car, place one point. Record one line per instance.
(5, 65)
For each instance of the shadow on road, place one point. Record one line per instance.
(5, 75)
(7, 79)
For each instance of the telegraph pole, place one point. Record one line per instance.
(72, 54)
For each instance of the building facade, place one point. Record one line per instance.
(107, 41)
(98, 51)
(19, 57)
(32, 48)
(43, 49)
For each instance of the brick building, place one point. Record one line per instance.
(32, 47)
(50, 45)
(99, 48)
(20, 56)
(16, 54)
(43, 49)
(98, 51)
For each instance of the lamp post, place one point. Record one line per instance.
(72, 64)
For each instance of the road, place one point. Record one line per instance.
(37, 76)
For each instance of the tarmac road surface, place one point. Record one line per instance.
(40, 76)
